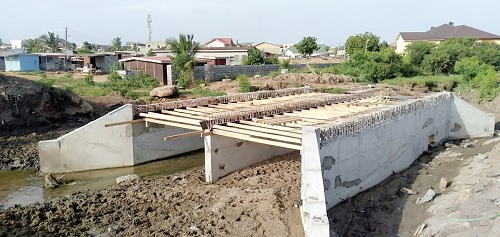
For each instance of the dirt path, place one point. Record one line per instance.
(259, 201)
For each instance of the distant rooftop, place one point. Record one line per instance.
(447, 31)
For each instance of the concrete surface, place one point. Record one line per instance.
(224, 155)
(94, 146)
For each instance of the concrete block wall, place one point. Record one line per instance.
(95, 146)
(224, 155)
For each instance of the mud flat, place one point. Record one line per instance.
(467, 206)
(258, 201)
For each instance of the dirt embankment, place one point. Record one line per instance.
(258, 201)
(30, 112)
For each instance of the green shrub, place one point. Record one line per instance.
(470, 67)
(285, 64)
(274, 74)
(487, 84)
(46, 82)
(272, 60)
(244, 83)
(205, 93)
(88, 79)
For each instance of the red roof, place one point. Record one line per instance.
(225, 41)
(155, 59)
(446, 31)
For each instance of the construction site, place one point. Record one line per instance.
(347, 143)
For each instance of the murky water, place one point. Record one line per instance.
(25, 187)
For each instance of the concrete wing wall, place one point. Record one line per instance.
(468, 121)
(92, 146)
(149, 144)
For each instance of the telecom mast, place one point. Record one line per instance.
(149, 26)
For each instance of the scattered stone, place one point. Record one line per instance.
(126, 178)
(495, 175)
(427, 197)
(419, 229)
(164, 91)
(407, 191)
(465, 194)
(468, 145)
(194, 228)
(226, 79)
(448, 145)
(51, 181)
(491, 141)
(443, 184)
(480, 157)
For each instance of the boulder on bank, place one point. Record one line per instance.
(164, 91)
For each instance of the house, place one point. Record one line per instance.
(158, 67)
(443, 32)
(155, 45)
(15, 61)
(292, 52)
(51, 61)
(220, 42)
(223, 55)
(269, 49)
(103, 62)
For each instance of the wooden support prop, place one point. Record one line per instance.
(188, 134)
(173, 124)
(274, 127)
(265, 130)
(294, 146)
(170, 118)
(258, 134)
(124, 122)
(184, 115)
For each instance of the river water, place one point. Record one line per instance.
(25, 187)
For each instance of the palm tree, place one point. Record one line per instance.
(51, 41)
(184, 50)
(117, 44)
(33, 46)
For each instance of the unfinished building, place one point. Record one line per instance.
(348, 142)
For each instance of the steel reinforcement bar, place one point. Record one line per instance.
(284, 107)
(360, 123)
(241, 97)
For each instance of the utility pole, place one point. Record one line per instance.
(149, 26)
(66, 47)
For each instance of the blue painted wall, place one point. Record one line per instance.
(22, 62)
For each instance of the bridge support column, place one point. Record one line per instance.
(224, 155)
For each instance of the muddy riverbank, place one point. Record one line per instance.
(258, 201)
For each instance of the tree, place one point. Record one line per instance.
(33, 46)
(87, 45)
(150, 53)
(442, 59)
(307, 46)
(116, 44)
(377, 66)
(184, 50)
(255, 57)
(51, 41)
(366, 42)
(470, 67)
(83, 50)
(417, 51)
(488, 52)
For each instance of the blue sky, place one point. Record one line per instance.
(276, 21)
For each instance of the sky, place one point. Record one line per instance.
(275, 21)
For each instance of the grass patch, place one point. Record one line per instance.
(201, 92)
(244, 83)
(33, 73)
(431, 82)
(274, 74)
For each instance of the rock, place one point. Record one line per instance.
(427, 197)
(443, 184)
(419, 229)
(194, 228)
(491, 141)
(164, 91)
(468, 145)
(465, 194)
(126, 178)
(407, 191)
(51, 181)
(447, 145)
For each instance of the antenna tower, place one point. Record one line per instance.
(149, 26)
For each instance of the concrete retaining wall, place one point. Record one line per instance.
(94, 146)
(372, 147)
(468, 121)
(224, 155)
